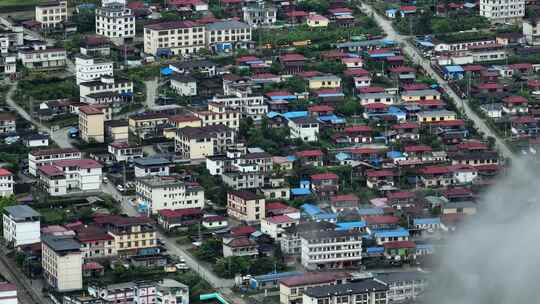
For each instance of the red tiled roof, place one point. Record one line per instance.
(435, 170)
(375, 106)
(371, 90)
(309, 153)
(516, 99)
(521, 66)
(276, 206)
(243, 230)
(365, 150)
(241, 242)
(244, 59)
(213, 218)
(356, 72)
(4, 172)
(381, 219)
(5, 286)
(50, 170)
(523, 119)
(344, 197)
(489, 167)
(323, 176)
(183, 118)
(449, 123)
(399, 244)
(92, 266)
(490, 85)
(457, 191)
(180, 212)
(264, 76)
(379, 173)
(358, 128)
(292, 57)
(340, 10)
(80, 163)
(279, 219)
(309, 74)
(430, 103)
(406, 125)
(395, 58)
(473, 68)
(417, 148)
(400, 195)
(533, 83)
(402, 69)
(407, 8)
(320, 108)
(472, 145)
(297, 14)
(462, 168)
(415, 86)
(351, 59)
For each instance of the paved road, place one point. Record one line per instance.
(172, 247)
(59, 136)
(386, 25)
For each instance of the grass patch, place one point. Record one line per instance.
(7, 3)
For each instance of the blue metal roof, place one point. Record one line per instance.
(166, 71)
(375, 249)
(370, 211)
(310, 209)
(382, 55)
(341, 156)
(425, 43)
(291, 158)
(275, 276)
(351, 225)
(427, 221)
(326, 216)
(400, 232)
(424, 246)
(454, 69)
(394, 154)
(272, 114)
(300, 191)
(295, 114)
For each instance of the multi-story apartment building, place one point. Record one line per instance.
(259, 15)
(40, 57)
(219, 114)
(531, 31)
(227, 32)
(132, 235)
(275, 226)
(502, 11)
(39, 158)
(124, 151)
(89, 69)
(252, 106)
(361, 292)
(61, 261)
(198, 143)
(52, 14)
(168, 192)
(92, 124)
(174, 38)
(148, 125)
(243, 180)
(404, 286)
(8, 64)
(115, 21)
(292, 288)
(152, 166)
(95, 242)
(291, 242)
(6, 182)
(106, 90)
(246, 206)
(304, 128)
(331, 249)
(72, 175)
(7, 123)
(21, 225)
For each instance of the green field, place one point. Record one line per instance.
(4, 3)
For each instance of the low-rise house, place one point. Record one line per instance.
(21, 225)
(63, 177)
(459, 208)
(407, 131)
(400, 250)
(184, 85)
(515, 105)
(325, 81)
(371, 290)
(418, 95)
(246, 206)
(358, 134)
(8, 293)
(380, 179)
(168, 192)
(344, 202)
(379, 97)
(384, 236)
(214, 222)
(172, 292)
(436, 176)
(198, 143)
(249, 179)
(106, 90)
(39, 57)
(275, 226)
(292, 63)
(179, 218)
(123, 151)
(331, 249)
(531, 31)
(240, 246)
(380, 221)
(325, 184)
(429, 224)
(403, 73)
(151, 166)
(61, 260)
(6, 182)
(404, 285)
(148, 125)
(435, 116)
(89, 68)
(315, 20)
(92, 124)
(36, 140)
(310, 158)
(304, 128)
(292, 288)
(259, 15)
(7, 123)
(475, 158)
(95, 242)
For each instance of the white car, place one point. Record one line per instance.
(181, 266)
(120, 188)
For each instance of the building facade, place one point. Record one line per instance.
(52, 15)
(39, 158)
(165, 192)
(331, 249)
(89, 69)
(245, 206)
(91, 124)
(61, 262)
(21, 225)
(174, 38)
(502, 11)
(115, 21)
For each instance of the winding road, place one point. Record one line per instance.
(409, 49)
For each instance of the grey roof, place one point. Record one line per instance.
(376, 95)
(182, 78)
(345, 289)
(420, 93)
(399, 276)
(229, 24)
(21, 212)
(325, 77)
(61, 242)
(436, 112)
(365, 43)
(151, 161)
(166, 284)
(465, 204)
(312, 235)
(304, 120)
(193, 64)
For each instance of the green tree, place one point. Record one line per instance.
(349, 107)
(170, 16)
(210, 250)
(230, 266)
(441, 26)
(85, 20)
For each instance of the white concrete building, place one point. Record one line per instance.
(151, 166)
(361, 292)
(74, 175)
(90, 69)
(6, 182)
(174, 38)
(8, 64)
(531, 31)
(331, 249)
(275, 225)
(259, 15)
(229, 31)
(184, 85)
(52, 14)
(38, 158)
(8, 293)
(168, 192)
(61, 262)
(8, 125)
(404, 286)
(198, 143)
(40, 57)
(21, 225)
(106, 90)
(115, 21)
(502, 11)
(172, 292)
(252, 106)
(304, 128)
(124, 151)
